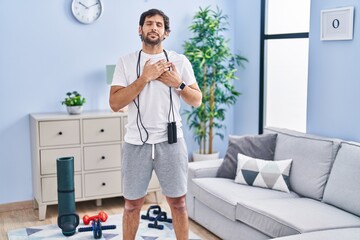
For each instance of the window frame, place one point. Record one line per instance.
(263, 38)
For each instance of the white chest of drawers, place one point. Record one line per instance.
(95, 141)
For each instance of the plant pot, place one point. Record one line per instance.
(202, 157)
(74, 110)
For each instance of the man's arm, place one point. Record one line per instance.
(192, 95)
(122, 96)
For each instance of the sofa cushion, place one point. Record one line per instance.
(257, 146)
(282, 217)
(312, 159)
(343, 187)
(334, 234)
(222, 194)
(262, 173)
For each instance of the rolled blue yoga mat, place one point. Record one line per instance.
(68, 220)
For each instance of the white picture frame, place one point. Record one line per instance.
(337, 24)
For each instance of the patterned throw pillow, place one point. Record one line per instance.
(261, 173)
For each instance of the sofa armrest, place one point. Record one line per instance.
(204, 169)
(201, 169)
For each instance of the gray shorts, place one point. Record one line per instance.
(170, 162)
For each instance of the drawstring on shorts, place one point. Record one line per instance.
(152, 151)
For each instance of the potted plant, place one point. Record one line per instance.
(74, 102)
(214, 67)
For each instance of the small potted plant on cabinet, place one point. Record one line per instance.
(74, 102)
(214, 66)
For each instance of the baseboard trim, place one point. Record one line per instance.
(7, 207)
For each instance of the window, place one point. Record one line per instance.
(284, 68)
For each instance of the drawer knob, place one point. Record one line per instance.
(102, 157)
(104, 184)
(60, 133)
(102, 130)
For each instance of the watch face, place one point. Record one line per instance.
(86, 11)
(182, 86)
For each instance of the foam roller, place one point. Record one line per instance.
(68, 220)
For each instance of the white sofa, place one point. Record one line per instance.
(323, 202)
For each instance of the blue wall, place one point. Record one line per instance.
(247, 42)
(334, 82)
(45, 52)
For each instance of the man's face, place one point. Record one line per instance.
(153, 30)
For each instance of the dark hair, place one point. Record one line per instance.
(153, 12)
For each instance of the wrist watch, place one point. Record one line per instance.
(181, 86)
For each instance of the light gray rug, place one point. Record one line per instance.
(52, 232)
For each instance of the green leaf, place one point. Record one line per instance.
(73, 99)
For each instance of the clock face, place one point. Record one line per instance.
(86, 11)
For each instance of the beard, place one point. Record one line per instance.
(148, 40)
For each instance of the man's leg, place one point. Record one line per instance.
(180, 217)
(131, 218)
(136, 171)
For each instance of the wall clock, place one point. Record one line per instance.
(87, 11)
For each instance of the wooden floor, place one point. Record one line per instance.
(29, 217)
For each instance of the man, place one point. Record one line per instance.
(151, 82)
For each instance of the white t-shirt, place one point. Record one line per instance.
(154, 99)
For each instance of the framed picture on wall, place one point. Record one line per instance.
(337, 24)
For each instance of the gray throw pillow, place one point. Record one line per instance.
(256, 146)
